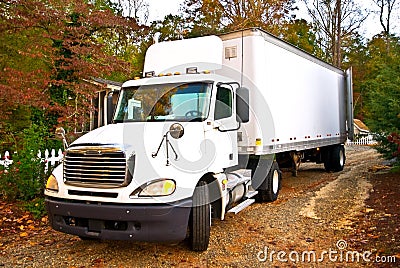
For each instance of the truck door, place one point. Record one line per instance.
(221, 133)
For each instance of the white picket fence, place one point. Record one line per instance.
(50, 158)
(363, 141)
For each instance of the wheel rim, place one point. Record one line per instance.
(341, 158)
(275, 181)
(210, 209)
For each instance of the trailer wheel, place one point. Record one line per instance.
(273, 181)
(338, 158)
(335, 158)
(200, 218)
(327, 159)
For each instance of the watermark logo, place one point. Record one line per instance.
(340, 254)
(341, 245)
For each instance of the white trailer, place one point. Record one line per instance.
(201, 135)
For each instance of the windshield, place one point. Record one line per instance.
(171, 102)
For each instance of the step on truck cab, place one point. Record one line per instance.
(201, 135)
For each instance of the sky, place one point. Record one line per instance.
(160, 8)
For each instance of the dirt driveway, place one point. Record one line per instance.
(320, 219)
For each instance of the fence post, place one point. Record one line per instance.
(53, 159)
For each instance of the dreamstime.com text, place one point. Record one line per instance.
(338, 255)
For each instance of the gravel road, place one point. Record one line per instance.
(315, 212)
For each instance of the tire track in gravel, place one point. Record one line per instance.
(345, 195)
(314, 212)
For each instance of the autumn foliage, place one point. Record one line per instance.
(50, 48)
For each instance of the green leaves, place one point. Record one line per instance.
(382, 90)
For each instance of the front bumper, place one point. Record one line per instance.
(166, 222)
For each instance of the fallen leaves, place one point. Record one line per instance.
(377, 168)
(369, 210)
(24, 234)
(15, 221)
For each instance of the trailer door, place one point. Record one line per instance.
(350, 111)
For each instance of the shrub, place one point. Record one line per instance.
(25, 179)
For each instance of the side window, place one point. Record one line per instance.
(223, 107)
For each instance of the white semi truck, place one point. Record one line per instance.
(200, 135)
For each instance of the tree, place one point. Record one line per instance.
(382, 87)
(137, 9)
(213, 16)
(356, 56)
(266, 14)
(386, 8)
(171, 28)
(336, 21)
(48, 52)
(202, 17)
(301, 34)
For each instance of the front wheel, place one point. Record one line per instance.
(273, 181)
(200, 218)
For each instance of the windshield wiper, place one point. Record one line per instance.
(197, 119)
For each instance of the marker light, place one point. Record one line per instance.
(258, 142)
(52, 184)
(191, 70)
(149, 74)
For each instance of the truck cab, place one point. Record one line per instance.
(160, 166)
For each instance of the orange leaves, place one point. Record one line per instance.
(59, 43)
(15, 221)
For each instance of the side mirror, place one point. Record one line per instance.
(60, 134)
(242, 105)
(110, 108)
(176, 131)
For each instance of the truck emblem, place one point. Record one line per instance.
(93, 152)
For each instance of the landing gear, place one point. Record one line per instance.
(296, 161)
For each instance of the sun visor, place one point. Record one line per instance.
(204, 53)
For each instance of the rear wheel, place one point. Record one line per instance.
(335, 158)
(200, 218)
(273, 181)
(338, 158)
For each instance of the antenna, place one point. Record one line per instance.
(242, 68)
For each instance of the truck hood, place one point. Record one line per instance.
(107, 135)
(153, 158)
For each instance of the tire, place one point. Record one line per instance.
(327, 159)
(273, 181)
(200, 218)
(335, 158)
(84, 238)
(338, 158)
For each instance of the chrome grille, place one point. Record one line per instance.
(95, 167)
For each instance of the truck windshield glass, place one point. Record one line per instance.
(171, 102)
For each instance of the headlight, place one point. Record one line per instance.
(52, 184)
(163, 187)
